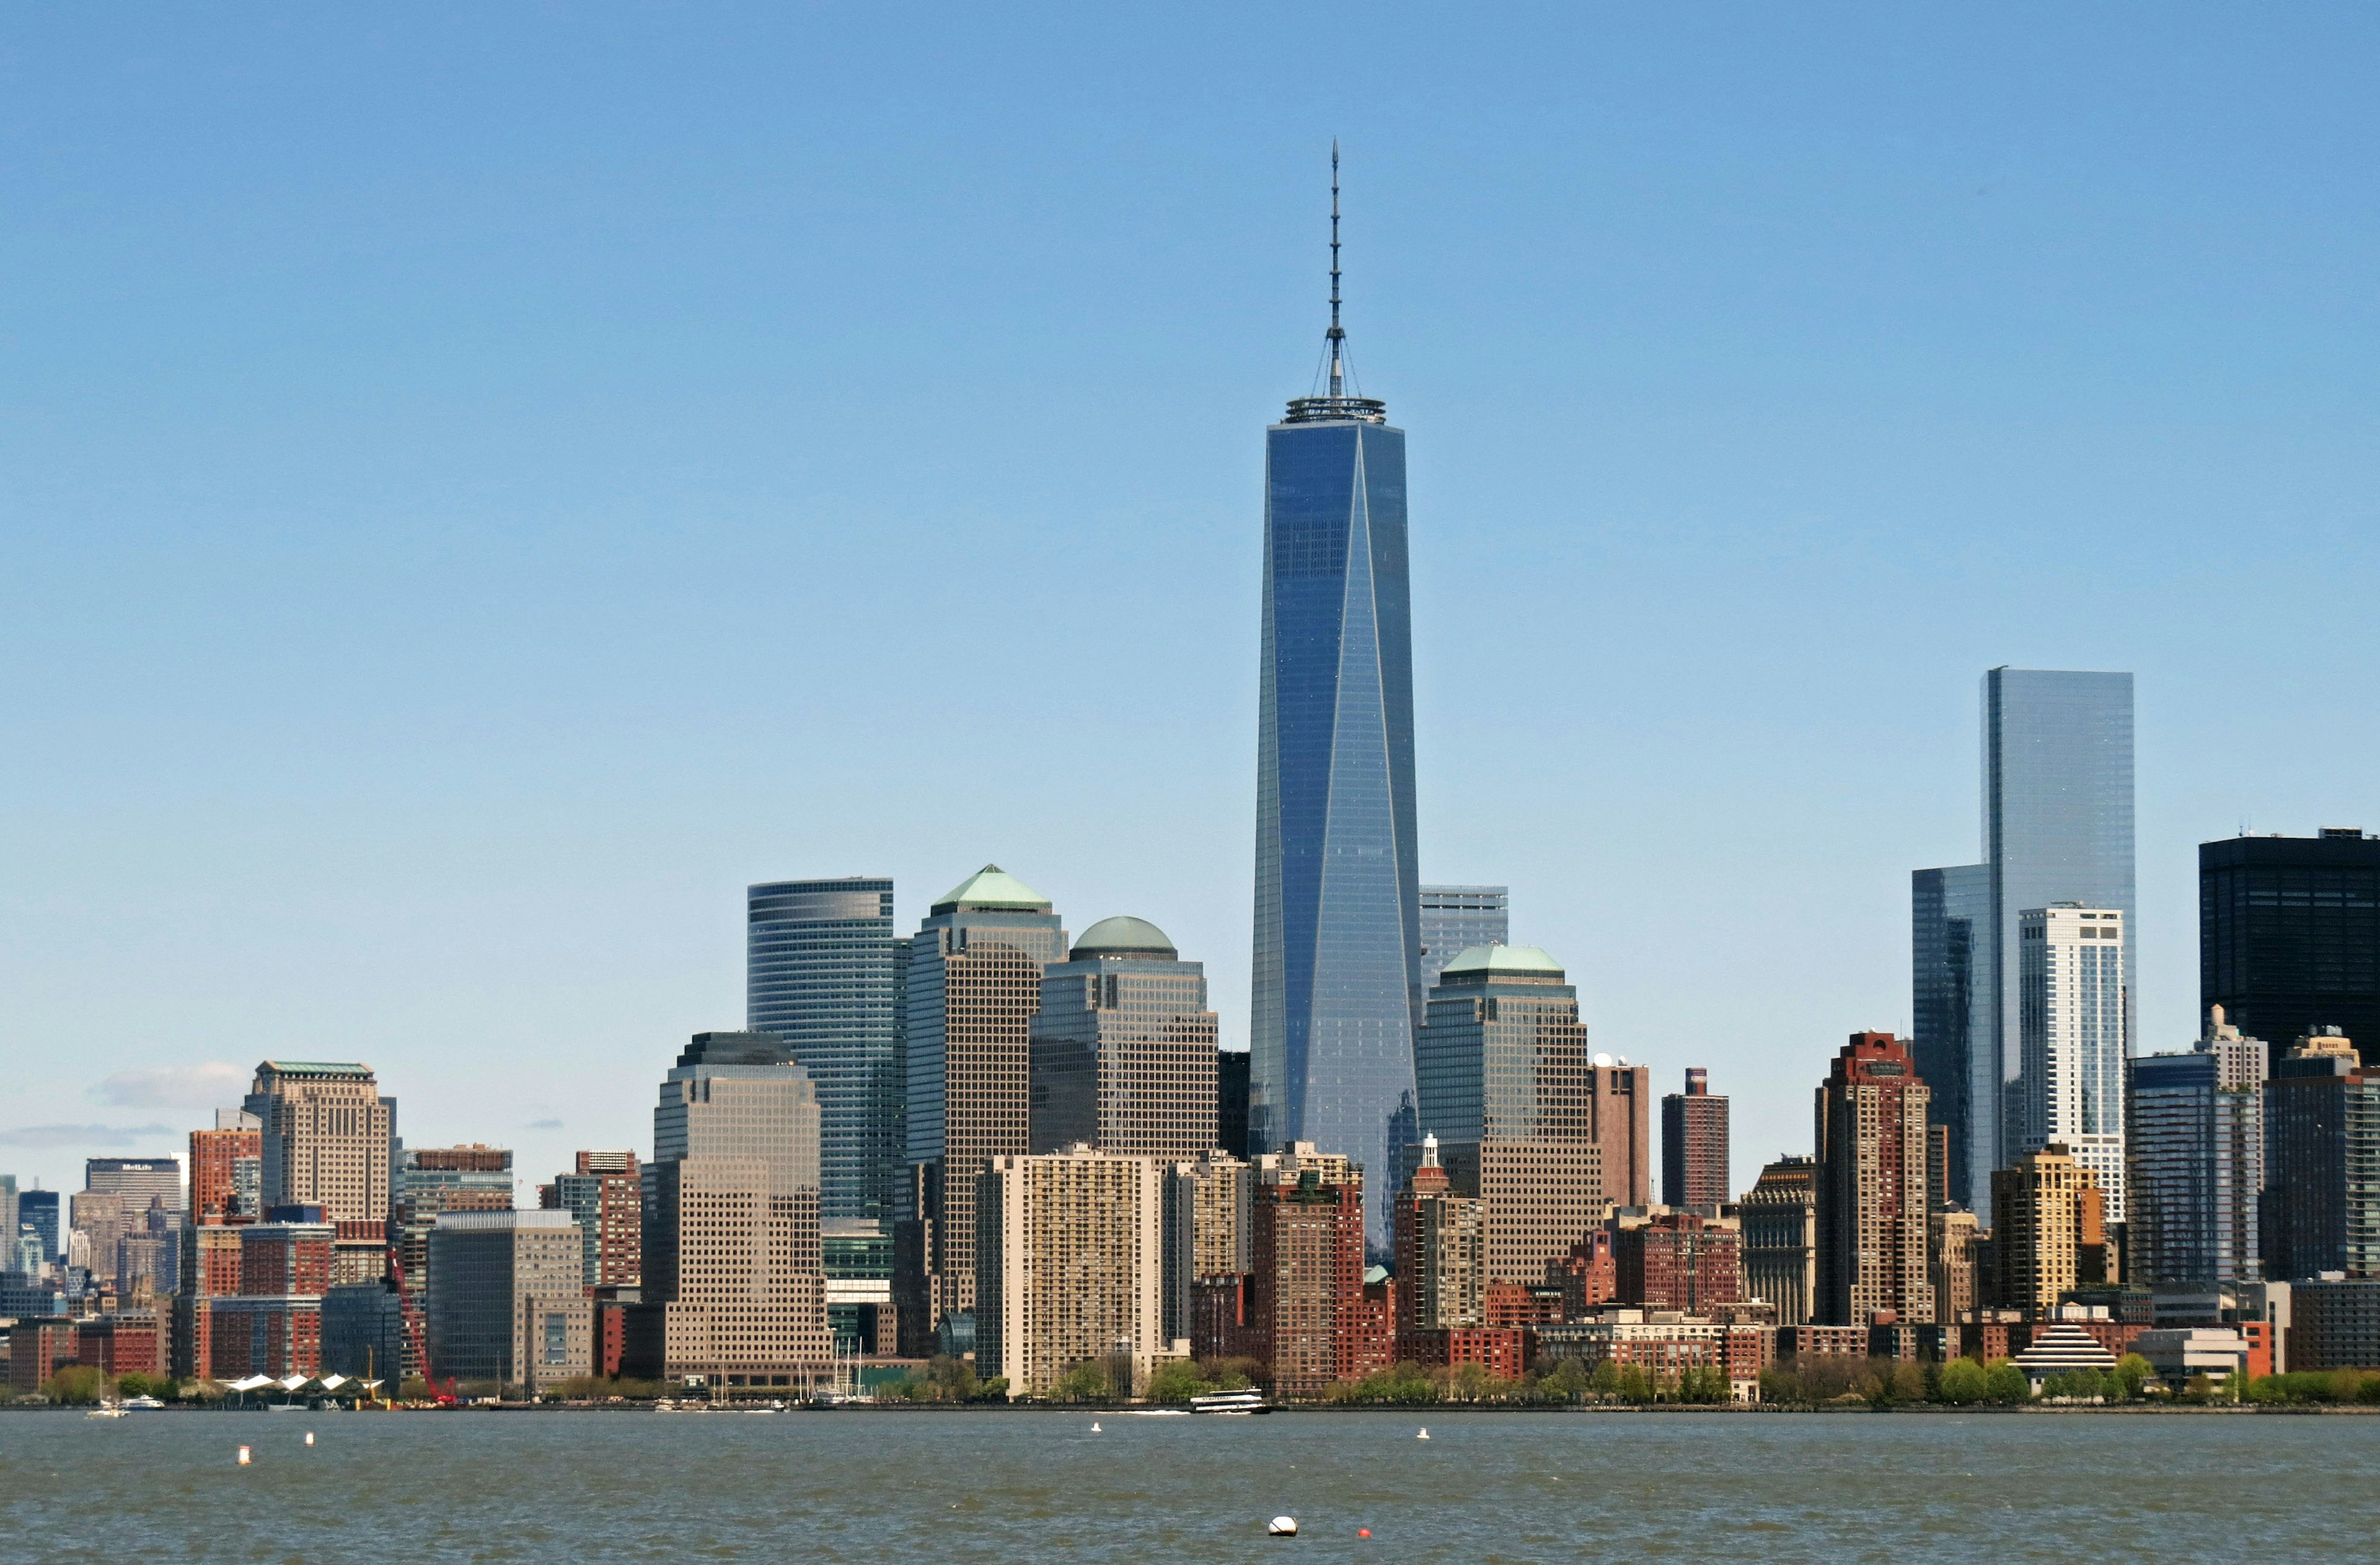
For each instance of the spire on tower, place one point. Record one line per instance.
(1336, 403)
(1335, 335)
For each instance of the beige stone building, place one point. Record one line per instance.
(2048, 1233)
(1070, 1266)
(325, 1132)
(1872, 1196)
(1781, 1238)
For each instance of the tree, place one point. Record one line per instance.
(2005, 1384)
(75, 1383)
(1177, 1380)
(1963, 1383)
(2130, 1373)
(1567, 1383)
(1605, 1381)
(1087, 1382)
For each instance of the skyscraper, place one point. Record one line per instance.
(2321, 1162)
(2289, 933)
(1871, 1187)
(1504, 1081)
(37, 1210)
(2057, 827)
(2070, 1086)
(2048, 1231)
(137, 1180)
(1336, 988)
(222, 1162)
(971, 983)
(1123, 1048)
(1693, 1145)
(2195, 1137)
(325, 1138)
(604, 1196)
(1781, 1238)
(1455, 918)
(733, 1283)
(819, 972)
(1070, 1266)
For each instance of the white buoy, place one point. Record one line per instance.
(309, 1436)
(1422, 1436)
(1095, 1426)
(1281, 1527)
(243, 1456)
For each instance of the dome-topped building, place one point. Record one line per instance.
(1123, 1047)
(1124, 936)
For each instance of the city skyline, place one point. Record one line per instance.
(448, 632)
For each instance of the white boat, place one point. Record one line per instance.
(142, 1404)
(284, 1407)
(106, 1410)
(1230, 1403)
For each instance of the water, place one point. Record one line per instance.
(997, 1485)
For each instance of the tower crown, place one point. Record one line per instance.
(1336, 406)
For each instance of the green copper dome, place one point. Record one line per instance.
(992, 887)
(1518, 960)
(1124, 936)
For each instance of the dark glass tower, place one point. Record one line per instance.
(1950, 983)
(2288, 935)
(1337, 970)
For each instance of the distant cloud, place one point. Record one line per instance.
(545, 1124)
(211, 1086)
(82, 1136)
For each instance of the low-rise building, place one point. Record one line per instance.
(121, 1344)
(2178, 1353)
(2333, 1323)
(1664, 1343)
(2061, 1346)
(37, 1350)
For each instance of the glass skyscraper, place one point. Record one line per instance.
(2057, 827)
(1455, 918)
(1336, 980)
(2289, 934)
(819, 972)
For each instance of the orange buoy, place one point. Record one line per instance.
(243, 1456)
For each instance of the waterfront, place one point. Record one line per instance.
(1015, 1487)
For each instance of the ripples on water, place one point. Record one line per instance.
(1035, 1486)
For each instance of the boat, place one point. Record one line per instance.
(1239, 1403)
(106, 1410)
(142, 1404)
(284, 1407)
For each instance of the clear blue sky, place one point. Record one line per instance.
(478, 485)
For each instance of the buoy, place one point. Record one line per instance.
(309, 1436)
(243, 1456)
(1362, 1532)
(1282, 1527)
(1095, 1425)
(1422, 1436)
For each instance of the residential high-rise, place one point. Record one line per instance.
(2194, 1136)
(1441, 1251)
(819, 973)
(1222, 1196)
(2320, 1210)
(2289, 932)
(1070, 1266)
(505, 1302)
(1953, 1010)
(2049, 1233)
(1871, 1187)
(2070, 1084)
(325, 1135)
(225, 1165)
(733, 1283)
(1455, 918)
(1619, 1113)
(604, 1196)
(1123, 1048)
(971, 983)
(1505, 1088)
(1306, 1295)
(1693, 1145)
(270, 1322)
(1952, 1233)
(1336, 986)
(1781, 1238)
(1677, 1260)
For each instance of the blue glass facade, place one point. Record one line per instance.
(1950, 987)
(1336, 990)
(819, 972)
(2057, 827)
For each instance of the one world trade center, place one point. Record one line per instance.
(1337, 970)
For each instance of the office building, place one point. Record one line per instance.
(1505, 1087)
(1335, 983)
(604, 1195)
(2289, 933)
(1871, 1187)
(856, 1258)
(1455, 918)
(1694, 1145)
(97, 1221)
(1779, 1216)
(1231, 1101)
(363, 1332)
(1953, 1236)
(1441, 1251)
(971, 983)
(1070, 1266)
(2049, 1233)
(2321, 1205)
(2335, 1323)
(1123, 1048)
(2194, 1130)
(1954, 1007)
(433, 1180)
(733, 1293)
(1620, 1119)
(1305, 1293)
(226, 1168)
(820, 973)
(37, 1210)
(507, 1305)
(139, 1182)
(2070, 1086)
(325, 1135)
(2057, 827)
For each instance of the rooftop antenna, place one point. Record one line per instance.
(1337, 336)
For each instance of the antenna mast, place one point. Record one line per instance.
(1337, 336)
